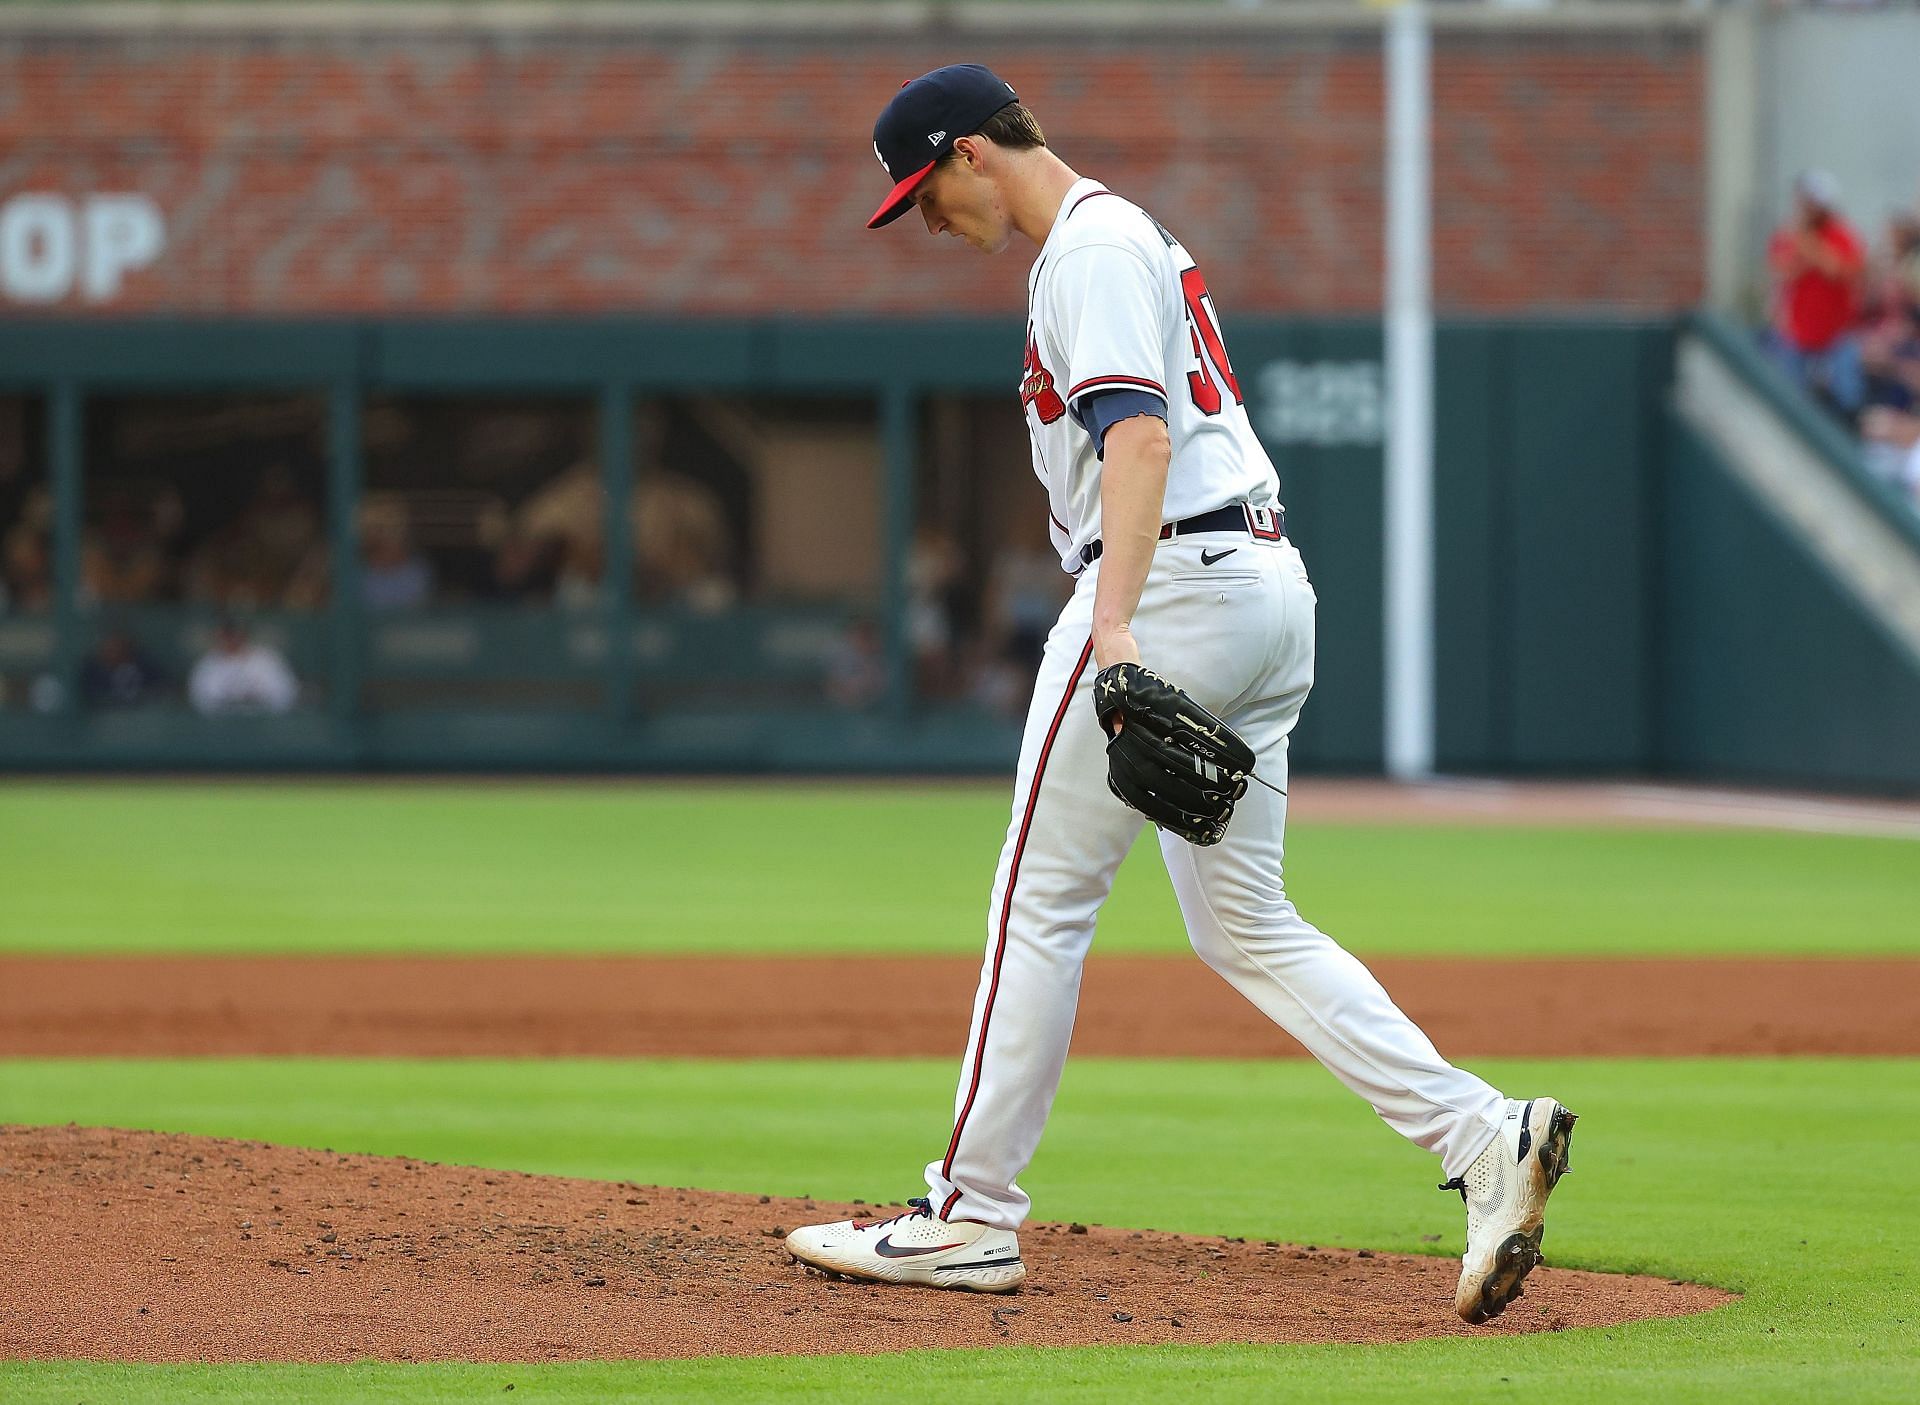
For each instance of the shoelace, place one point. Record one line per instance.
(1457, 1183)
(917, 1207)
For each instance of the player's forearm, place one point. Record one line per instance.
(1133, 489)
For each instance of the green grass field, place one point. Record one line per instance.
(740, 868)
(1781, 1179)
(1786, 1180)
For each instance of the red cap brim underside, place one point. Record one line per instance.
(901, 197)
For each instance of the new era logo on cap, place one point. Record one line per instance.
(932, 111)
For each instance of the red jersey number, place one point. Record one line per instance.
(1209, 349)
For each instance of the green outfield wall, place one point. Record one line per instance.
(1604, 597)
(1769, 668)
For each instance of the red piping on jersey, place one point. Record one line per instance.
(1055, 520)
(1074, 206)
(1006, 912)
(1083, 200)
(1141, 381)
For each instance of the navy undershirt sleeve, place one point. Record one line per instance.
(1102, 410)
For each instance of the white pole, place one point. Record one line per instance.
(1409, 338)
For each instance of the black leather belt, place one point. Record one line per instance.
(1267, 524)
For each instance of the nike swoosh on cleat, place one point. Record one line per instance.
(984, 1263)
(1206, 560)
(887, 1249)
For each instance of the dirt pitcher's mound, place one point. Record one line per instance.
(135, 1246)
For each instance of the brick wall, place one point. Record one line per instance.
(626, 172)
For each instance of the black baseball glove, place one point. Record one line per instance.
(1171, 759)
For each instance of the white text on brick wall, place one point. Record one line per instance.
(54, 247)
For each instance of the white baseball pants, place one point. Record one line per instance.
(1239, 636)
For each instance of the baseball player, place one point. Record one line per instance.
(1166, 511)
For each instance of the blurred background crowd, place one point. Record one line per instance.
(1845, 322)
(505, 385)
(501, 504)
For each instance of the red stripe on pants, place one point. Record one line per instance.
(1006, 911)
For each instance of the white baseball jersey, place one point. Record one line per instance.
(1228, 615)
(1115, 303)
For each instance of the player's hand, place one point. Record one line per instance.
(1114, 646)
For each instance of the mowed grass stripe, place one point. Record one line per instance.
(1776, 1178)
(474, 868)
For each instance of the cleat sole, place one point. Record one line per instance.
(1516, 1257)
(1001, 1278)
(1554, 1146)
(974, 1278)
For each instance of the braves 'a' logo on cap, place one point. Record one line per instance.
(883, 160)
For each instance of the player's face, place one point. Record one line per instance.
(959, 199)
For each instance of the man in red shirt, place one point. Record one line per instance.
(1817, 262)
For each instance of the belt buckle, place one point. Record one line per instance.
(1263, 523)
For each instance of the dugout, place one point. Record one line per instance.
(1593, 556)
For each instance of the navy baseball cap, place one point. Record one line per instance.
(924, 120)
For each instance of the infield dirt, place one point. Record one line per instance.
(812, 1007)
(136, 1246)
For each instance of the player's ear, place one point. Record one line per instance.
(970, 151)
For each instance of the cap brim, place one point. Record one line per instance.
(897, 202)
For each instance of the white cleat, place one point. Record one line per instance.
(915, 1246)
(1506, 1191)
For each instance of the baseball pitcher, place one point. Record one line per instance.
(1172, 678)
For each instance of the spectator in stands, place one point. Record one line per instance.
(524, 568)
(1892, 447)
(1025, 590)
(26, 570)
(119, 673)
(583, 566)
(393, 576)
(123, 560)
(564, 511)
(683, 549)
(561, 525)
(1818, 262)
(1898, 283)
(856, 675)
(238, 676)
(1890, 359)
(259, 558)
(935, 569)
(1002, 681)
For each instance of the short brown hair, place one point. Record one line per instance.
(1014, 128)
